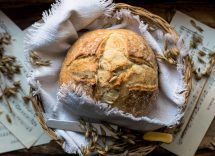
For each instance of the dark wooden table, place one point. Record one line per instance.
(26, 12)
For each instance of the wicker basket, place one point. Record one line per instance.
(150, 18)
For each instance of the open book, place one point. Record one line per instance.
(23, 130)
(200, 111)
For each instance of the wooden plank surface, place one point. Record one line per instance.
(26, 12)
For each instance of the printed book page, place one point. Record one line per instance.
(8, 142)
(200, 109)
(23, 124)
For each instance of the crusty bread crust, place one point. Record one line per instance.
(117, 66)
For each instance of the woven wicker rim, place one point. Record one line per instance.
(152, 19)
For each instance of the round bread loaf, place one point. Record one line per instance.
(116, 67)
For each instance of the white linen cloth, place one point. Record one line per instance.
(51, 39)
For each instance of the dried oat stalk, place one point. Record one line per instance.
(193, 23)
(123, 141)
(203, 65)
(195, 41)
(1, 111)
(27, 99)
(9, 67)
(9, 120)
(167, 60)
(171, 55)
(36, 60)
(202, 62)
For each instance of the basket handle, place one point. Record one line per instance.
(151, 18)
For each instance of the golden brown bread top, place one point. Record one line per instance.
(114, 64)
